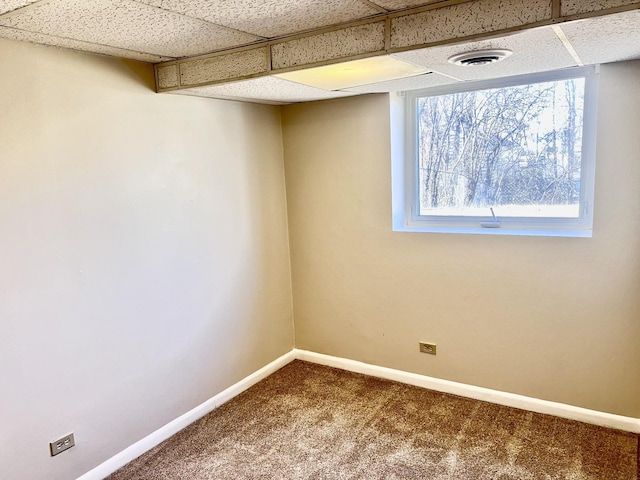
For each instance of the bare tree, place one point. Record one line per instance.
(504, 146)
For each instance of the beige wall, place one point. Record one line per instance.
(552, 318)
(144, 263)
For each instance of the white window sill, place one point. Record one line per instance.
(495, 231)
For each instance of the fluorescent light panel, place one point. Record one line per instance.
(354, 73)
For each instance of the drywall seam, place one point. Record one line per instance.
(147, 443)
(561, 410)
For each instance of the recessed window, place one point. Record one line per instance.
(511, 156)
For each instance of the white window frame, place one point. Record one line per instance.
(404, 174)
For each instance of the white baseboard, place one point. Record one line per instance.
(562, 410)
(147, 443)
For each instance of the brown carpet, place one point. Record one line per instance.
(312, 422)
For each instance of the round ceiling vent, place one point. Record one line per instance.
(479, 57)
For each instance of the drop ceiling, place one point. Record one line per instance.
(233, 48)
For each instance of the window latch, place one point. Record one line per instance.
(495, 223)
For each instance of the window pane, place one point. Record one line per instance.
(515, 149)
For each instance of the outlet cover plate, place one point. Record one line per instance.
(429, 348)
(62, 444)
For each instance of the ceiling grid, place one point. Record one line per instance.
(431, 26)
(191, 14)
(375, 6)
(200, 46)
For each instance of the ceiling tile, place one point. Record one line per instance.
(347, 42)
(527, 57)
(465, 19)
(127, 24)
(188, 93)
(10, 5)
(401, 4)
(167, 76)
(271, 18)
(572, 7)
(42, 39)
(349, 75)
(402, 84)
(264, 90)
(618, 37)
(228, 66)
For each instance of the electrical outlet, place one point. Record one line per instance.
(62, 444)
(428, 348)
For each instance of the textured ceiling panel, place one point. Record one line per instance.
(39, 38)
(618, 37)
(464, 20)
(167, 76)
(127, 24)
(411, 83)
(271, 18)
(527, 58)
(264, 90)
(572, 7)
(400, 4)
(10, 5)
(224, 67)
(368, 38)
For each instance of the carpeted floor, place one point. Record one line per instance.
(312, 422)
